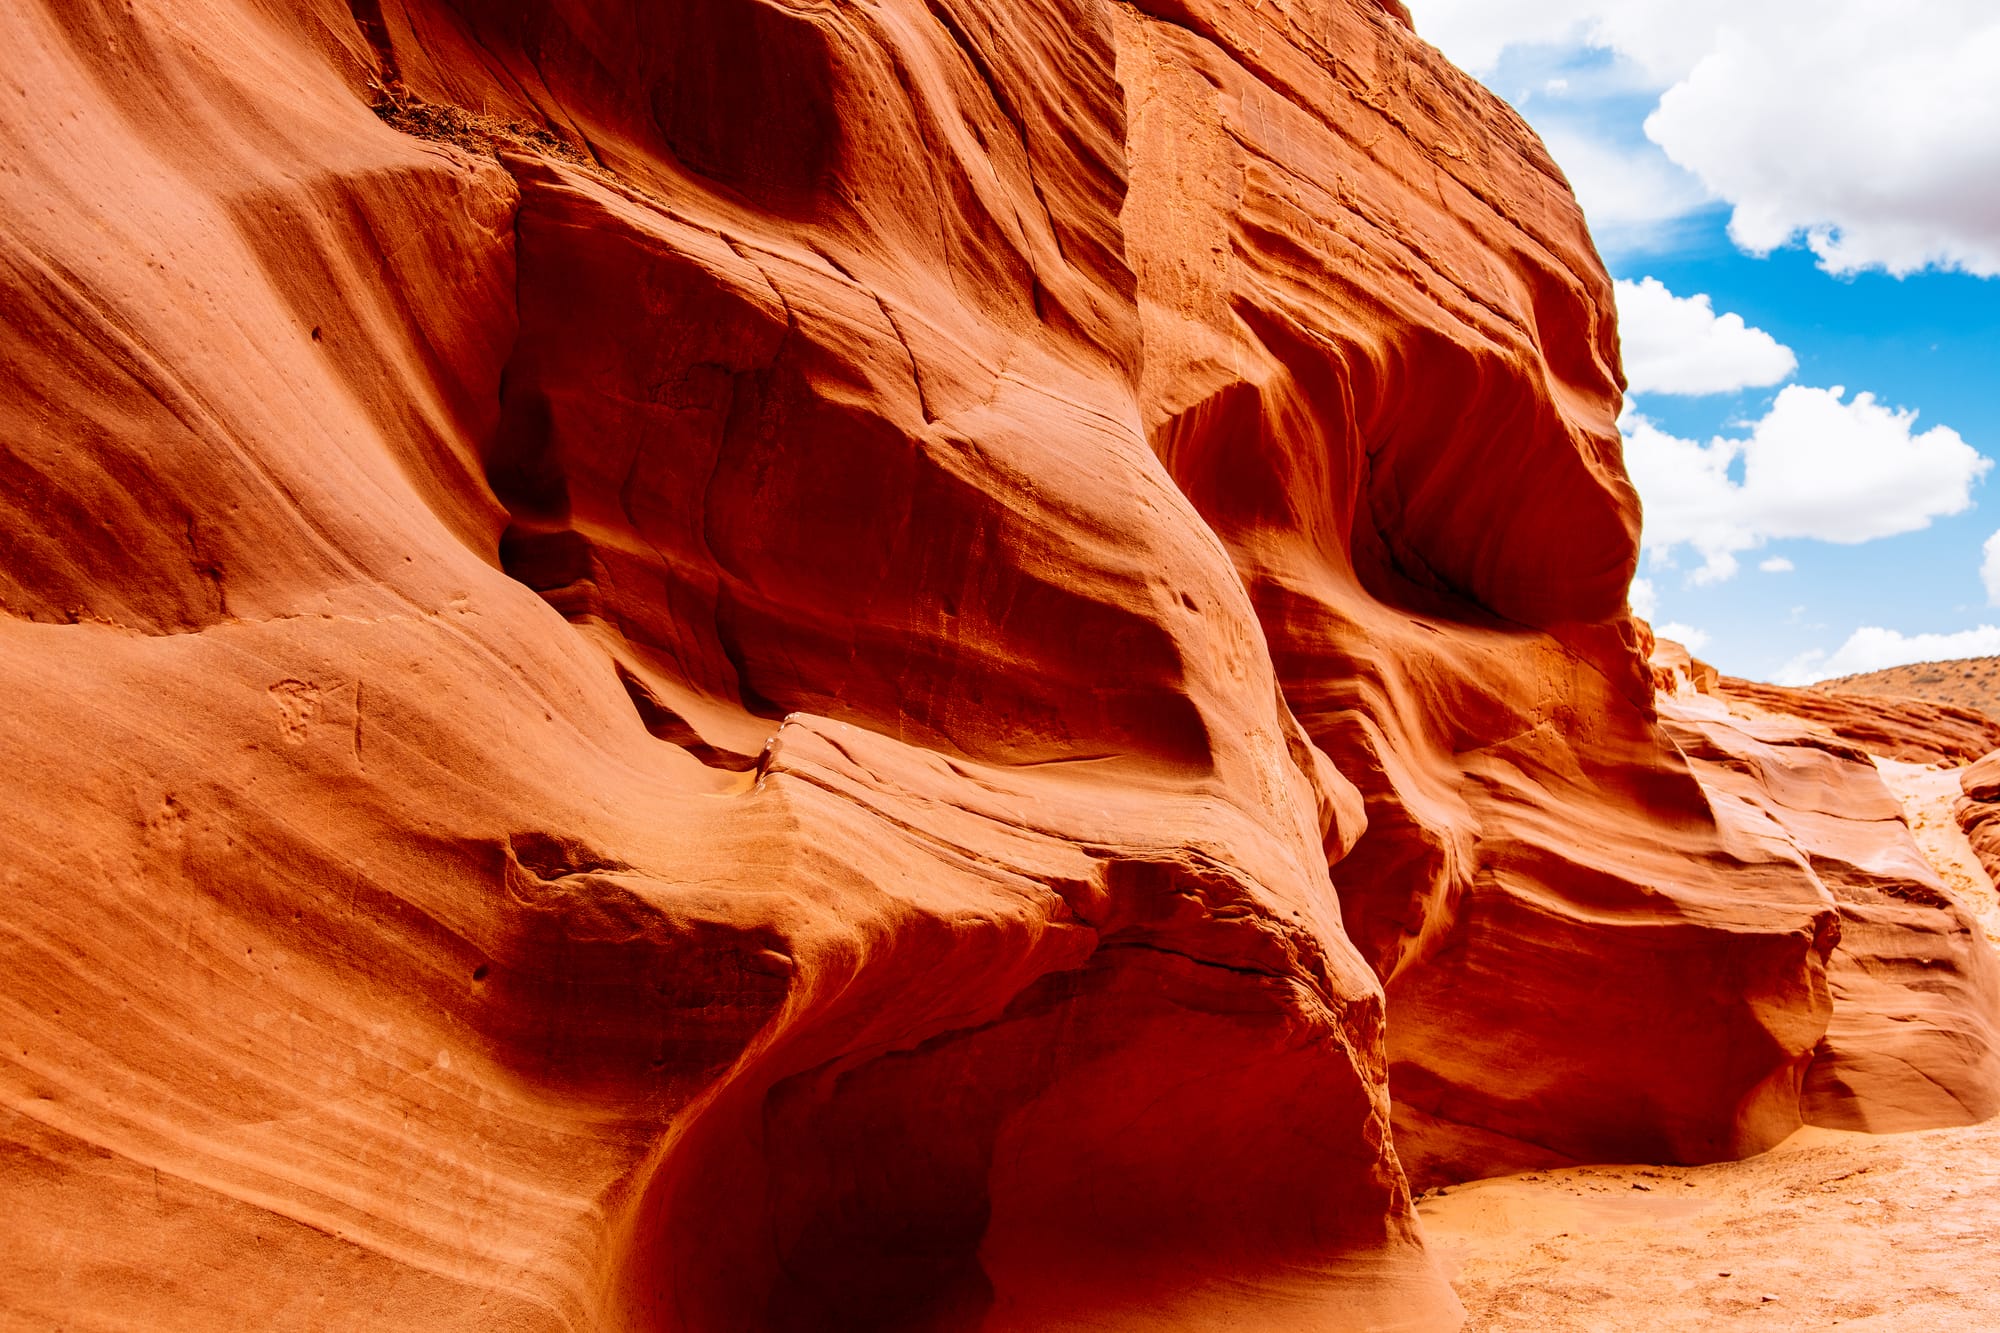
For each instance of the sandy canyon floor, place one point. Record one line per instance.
(1830, 1230)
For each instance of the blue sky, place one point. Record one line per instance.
(1929, 342)
(1832, 178)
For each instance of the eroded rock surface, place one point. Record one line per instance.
(1915, 731)
(1914, 1038)
(1978, 811)
(744, 665)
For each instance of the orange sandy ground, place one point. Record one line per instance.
(1829, 1230)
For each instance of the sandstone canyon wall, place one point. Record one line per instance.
(1978, 811)
(1914, 1039)
(747, 665)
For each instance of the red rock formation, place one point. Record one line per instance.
(898, 892)
(1914, 1037)
(1978, 812)
(698, 666)
(1912, 730)
(1678, 672)
(1456, 648)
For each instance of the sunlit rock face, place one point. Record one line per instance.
(746, 665)
(1978, 811)
(1913, 731)
(1914, 1037)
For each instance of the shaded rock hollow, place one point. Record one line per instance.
(750, 665)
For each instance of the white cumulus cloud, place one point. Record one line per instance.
(1645, 602)
(1631, 194)
(1474, 33)
(1871, 648)
(1687, 636)
(1679, 345)
(1818, 465)
(1663, 38)
(1989, 569)
(1872, 132)
(1868, 131)
(1777, 564)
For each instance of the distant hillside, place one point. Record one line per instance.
(1971, 682)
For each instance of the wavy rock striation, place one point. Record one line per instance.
(757, 665)
(1978, 811)
(1915, 731)
(1914, 1037)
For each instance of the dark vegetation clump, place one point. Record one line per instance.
(472, 130)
